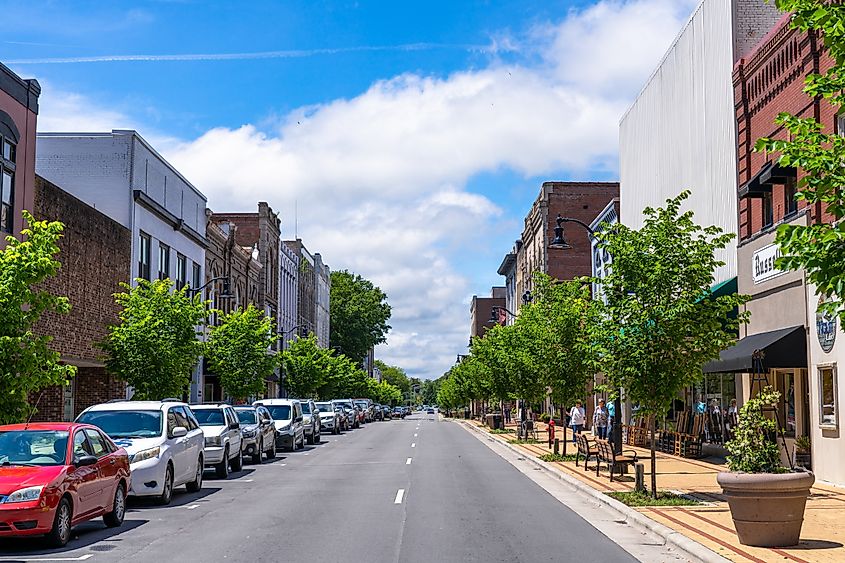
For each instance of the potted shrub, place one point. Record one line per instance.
(803, 457)
(766, 500)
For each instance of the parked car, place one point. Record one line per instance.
(163, 439)
(399, 412)
(329, 417)
(366, 407)
(353, 419)
(223, 440)
(310, 421)
(287, 417)
(258, 432)
(429, 410)
(378, 414)
(387, 412)
(54, 476)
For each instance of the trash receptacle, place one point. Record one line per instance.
(495, 422)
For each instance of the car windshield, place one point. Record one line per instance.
(325, 407)
(344, 405)
(210, 417)
(247, 416)
(125, 424)
(306, 408)
(362, 404)
(33, 447)
(279, 412)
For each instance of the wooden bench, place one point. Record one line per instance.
(585, 449)
(605, 453)
(688, 444)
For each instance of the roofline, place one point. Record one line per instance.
(135, 135)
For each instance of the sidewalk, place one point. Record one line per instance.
(822, 536)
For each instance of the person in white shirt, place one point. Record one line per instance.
(577, 418)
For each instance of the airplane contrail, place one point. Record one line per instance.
(286, 54)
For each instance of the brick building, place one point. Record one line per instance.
(18, 116)
(260, 232)
(799, 344)
(95, 257)
(576, 200)
(481, 311)
(224, 257)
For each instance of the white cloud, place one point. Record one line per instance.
(379, 179)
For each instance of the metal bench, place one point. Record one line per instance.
(605, 453)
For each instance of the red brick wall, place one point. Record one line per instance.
(770, 81)
(95, 256)
(582, 201)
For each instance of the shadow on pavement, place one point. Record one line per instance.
(85, 535)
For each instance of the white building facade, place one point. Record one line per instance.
(122, 176)
(322, 299)
(288, 293)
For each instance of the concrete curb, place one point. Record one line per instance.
(689, 547)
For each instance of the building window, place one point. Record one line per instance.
(827, 397)
(768, 215)
(196, 280)
(7, 183)
(163, 261)
(790, 190)
(144, 256)
(181, 271)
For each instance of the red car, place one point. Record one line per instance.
(54, 476)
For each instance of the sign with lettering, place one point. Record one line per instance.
(825, 328)
(763, 264)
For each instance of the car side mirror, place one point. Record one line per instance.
(299, 418)
(179, 432)
(85, 461)
(235, 426)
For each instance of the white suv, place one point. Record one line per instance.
(223, 440)
(287, 415)
(163, 440)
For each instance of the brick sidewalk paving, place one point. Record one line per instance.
(822, 536)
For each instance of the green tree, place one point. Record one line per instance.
(394, 375)
(27, 364)
(155, 346)
(661, 322)
(306, 366)
(239, 352)
(430, 388)
(818, 248)
(359, 313)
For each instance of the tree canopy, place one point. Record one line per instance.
(359, 315)
(239, 352)
(155, 346)
(27, 364)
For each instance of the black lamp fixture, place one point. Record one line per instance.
(527, 297)
(226, 290)
(559, 240)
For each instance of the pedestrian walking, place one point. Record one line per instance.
(577, 418)
(611, 417)
(600, 420)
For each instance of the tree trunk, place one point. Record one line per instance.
(653, 465)
(563, 428)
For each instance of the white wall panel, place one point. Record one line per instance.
(680, 133)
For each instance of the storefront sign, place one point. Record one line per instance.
(825, 328)
(763, 263)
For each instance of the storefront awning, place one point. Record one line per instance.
(782, 348)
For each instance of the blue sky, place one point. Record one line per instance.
(411, 137)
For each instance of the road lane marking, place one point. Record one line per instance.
(415, 435)
(192, 507)
(80, 558)
(399, 494)
(236, 481)
(414, 445)
(408, 461)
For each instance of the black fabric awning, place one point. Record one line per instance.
(763, 181)
(782, 348)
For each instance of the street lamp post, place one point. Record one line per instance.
(561, 243)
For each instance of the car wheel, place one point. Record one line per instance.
(272, 453)
(258, 456)
(167, 492)
(318, 438)
(309, 439)
(195, 485)
(60, 533)
(222, 468)
(114, 518)
(238, 462)
(302, 442)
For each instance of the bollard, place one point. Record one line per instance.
(557, 446)
(639, 479)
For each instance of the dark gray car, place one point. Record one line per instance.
(258, 432)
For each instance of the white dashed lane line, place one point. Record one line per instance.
(414, 445)
(408, 461)
(399, 495)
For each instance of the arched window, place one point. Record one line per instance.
(9, 137)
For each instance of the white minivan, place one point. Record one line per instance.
(287, 415)
(163, 439)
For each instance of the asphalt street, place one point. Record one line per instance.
(408, 490)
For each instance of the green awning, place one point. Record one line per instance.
(727, 287)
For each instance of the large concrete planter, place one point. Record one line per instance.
(767, 508)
